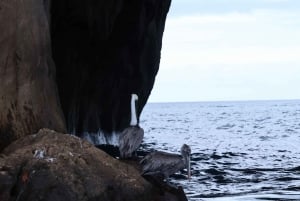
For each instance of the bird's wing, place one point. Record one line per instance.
(161, 162)
(129, 140)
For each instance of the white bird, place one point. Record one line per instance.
(166, 164)
(131, 138)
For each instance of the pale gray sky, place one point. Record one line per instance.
(230, 50)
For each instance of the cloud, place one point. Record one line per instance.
(232, 55)
(234, 38)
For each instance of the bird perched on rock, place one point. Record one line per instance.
(131, 138)
(165, 164)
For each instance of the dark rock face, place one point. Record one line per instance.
(28, 93)
(104, 51)
(53, 166)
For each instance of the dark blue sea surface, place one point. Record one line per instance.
(246, 151)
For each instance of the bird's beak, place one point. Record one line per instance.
(189, 168)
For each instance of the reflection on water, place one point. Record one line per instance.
(240, 150)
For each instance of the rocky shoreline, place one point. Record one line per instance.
(55, 166)
(71, 66)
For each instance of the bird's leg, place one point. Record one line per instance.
(167, 180)
(169, 184)
(135, 154)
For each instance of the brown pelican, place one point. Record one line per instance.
(131, 138)
(166, 164)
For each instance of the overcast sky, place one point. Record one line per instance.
(216, 50)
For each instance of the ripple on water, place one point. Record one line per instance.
(240, 150)
(226, 126)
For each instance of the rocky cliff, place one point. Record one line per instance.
(28, 92)
(105, 51)
(71, 64)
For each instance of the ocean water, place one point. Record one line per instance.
(241, 151)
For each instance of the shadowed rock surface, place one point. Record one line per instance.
(105, 51)
(54, 166)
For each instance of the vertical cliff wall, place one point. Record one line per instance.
(28, 93)
(104, 51)
(74, 64)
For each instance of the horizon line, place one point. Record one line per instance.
(233, 100)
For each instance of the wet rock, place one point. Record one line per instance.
(54, 166)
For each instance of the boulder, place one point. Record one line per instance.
(54, 166)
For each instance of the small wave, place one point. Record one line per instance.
(293, 188)
(225, 127)
(289, 130)
(263, 119)
(266, 138)
(214, 171)
(258, 127)
(295, 169)
(255, 170)
(221, 106)
(286, 179)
